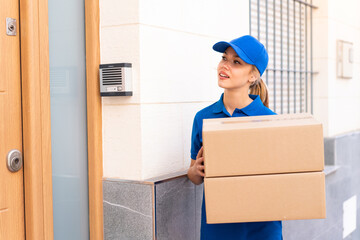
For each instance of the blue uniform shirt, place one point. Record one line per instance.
(232, 231)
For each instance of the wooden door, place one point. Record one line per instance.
(11, 183)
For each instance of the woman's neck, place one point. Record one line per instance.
(235, 99)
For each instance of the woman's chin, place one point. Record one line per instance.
(221, 84)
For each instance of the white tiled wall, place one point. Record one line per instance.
(319, 81)
(321, 111)
(169, 44)
(336, 100)
(121, 141)
(118, 12)
(321, 34)
(166, 133)
(119, 44)
(162, 146)
(223, 19)
(346, 11)
(344, 112)
(176, 66)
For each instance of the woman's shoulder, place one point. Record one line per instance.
(258, 108)
(206, 112)
(262, 110)
(267, 111)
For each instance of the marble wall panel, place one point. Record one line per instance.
(128, 210)
(199, 191)
(329, 151)
(175, 209)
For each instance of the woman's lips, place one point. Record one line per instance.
(223, 75)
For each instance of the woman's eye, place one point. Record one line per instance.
(223, 58)
(236, 62)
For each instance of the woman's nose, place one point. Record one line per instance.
(226, 65)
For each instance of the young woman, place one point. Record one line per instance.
(245, 94)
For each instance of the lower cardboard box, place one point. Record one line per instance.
(265, 197)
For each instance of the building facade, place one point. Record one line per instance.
(115, 167)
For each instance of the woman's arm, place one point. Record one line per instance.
(196, 172)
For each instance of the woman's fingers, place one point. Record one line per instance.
(200, 153)
(200, 160)
(200, 169)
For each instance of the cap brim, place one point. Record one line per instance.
(222, 46)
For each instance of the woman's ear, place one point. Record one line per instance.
(252, 79)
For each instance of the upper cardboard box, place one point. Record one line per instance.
(262, 145)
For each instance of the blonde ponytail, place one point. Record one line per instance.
(260, 88)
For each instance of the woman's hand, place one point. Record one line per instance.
(199, 163)
(196, 172)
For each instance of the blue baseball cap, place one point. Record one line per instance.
(249, 49)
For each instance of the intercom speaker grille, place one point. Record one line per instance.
(112, 76)
(115, 79)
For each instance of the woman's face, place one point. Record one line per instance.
(233, 72)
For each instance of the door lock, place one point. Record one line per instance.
(11, 27)
(14, 160)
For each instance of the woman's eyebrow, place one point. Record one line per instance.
(236, 56)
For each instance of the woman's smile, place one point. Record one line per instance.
(223, 75)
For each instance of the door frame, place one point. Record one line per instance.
(35, 82)
(94, 119)
(34, 38)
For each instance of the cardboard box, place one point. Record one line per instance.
(262, 145)
(265, 197)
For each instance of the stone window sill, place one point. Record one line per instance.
(329, 169)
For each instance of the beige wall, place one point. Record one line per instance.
(169, 44)
(336, 100)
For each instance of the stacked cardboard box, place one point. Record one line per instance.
(264, 168)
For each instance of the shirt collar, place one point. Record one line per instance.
(249, 110)
(254, 106)
(219, 105)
